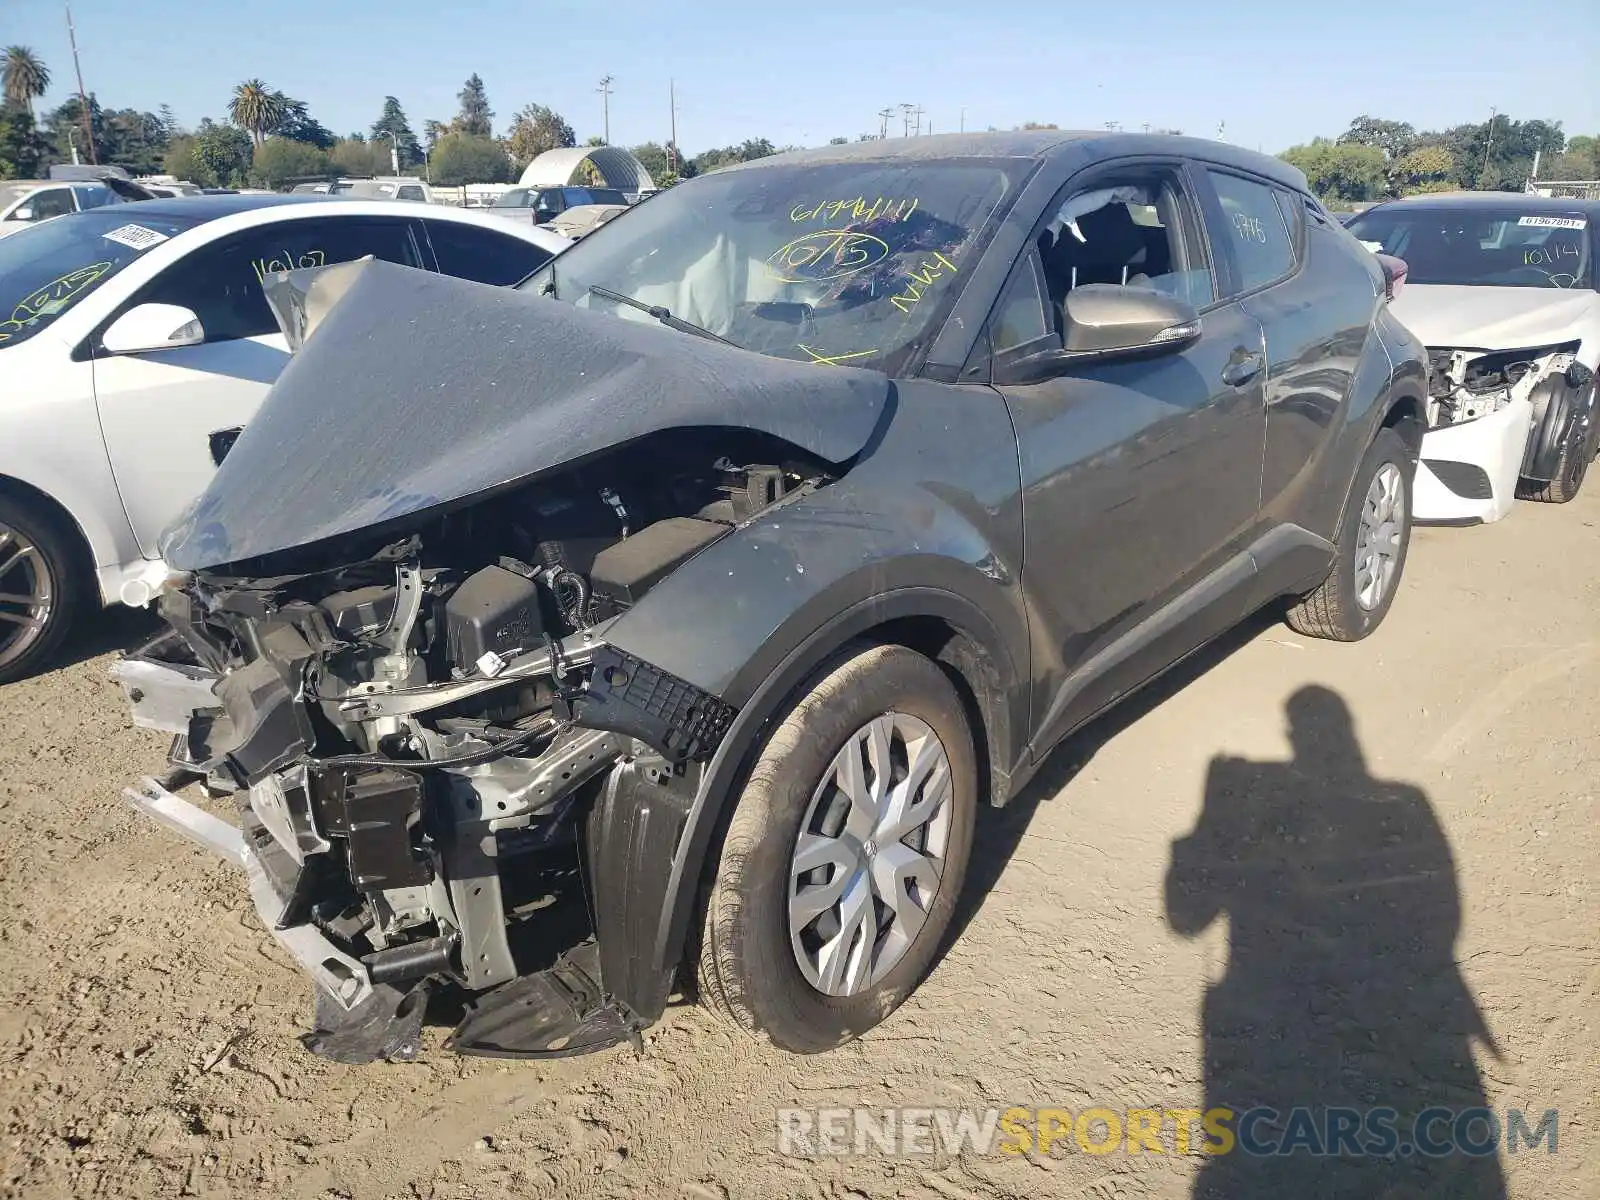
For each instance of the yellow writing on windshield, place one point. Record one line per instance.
(918, 281)
(833, 360)
(286, 261)
(826, 254)
(51, 299)
(857, 209)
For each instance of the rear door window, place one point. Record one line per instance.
(1252, 228)
(51, 202)
(483, 255)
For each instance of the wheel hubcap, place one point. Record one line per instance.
(871, 851)
(26, 595)
(1379, 539)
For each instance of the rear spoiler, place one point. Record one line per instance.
(299, 299)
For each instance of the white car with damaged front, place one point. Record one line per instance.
(135, 342)
(1500, 287)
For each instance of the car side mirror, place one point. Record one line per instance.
(25, 213)
(147, 327)
(1105, 320)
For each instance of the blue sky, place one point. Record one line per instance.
(1276, 73)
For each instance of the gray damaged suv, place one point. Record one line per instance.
(665, 621)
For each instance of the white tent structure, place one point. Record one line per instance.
(618, 168)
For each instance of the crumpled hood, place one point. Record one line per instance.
(1496, 318)
(419, 390)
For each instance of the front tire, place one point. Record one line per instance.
(40, 589)
(1573, 465)
(841, 866)
(1369, 554)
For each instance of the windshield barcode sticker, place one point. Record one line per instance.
(1555, 222)
(135, 236)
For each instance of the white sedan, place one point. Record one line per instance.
(135, 340)
(1500, 287)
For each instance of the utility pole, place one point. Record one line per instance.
(672, 146)
(883, 123)
(605, 99)
(905, 119)
(963, 119)
(83, 99)
(1489, 145)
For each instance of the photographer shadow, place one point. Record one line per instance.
(1342, 989)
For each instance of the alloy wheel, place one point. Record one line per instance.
(1378, 540)
(27, 594)
(870, 855)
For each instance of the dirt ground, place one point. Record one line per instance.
(1344, 909)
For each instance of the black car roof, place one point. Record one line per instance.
(197, 209)
(1038, 145)
(1439, 201)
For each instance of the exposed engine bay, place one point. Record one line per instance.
(1466, 385)
(402, 715)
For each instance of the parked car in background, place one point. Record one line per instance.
(394, 187)
(389, 187)
(1501, 288)
(583, 219)
(135, 342)
(24, 202)
(794, 516)
(542, 205)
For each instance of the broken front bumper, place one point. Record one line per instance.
(344, 979)
(1468, 473)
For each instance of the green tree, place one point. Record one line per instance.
(393, 121)
(298, 125)
(256, 109)
(476, 118)
(460, 158)
(64, 127)
(131, 139)
(1424, 169)
(748, 151)
(280, 162)
(653, 157)
(1341, 171)
(1579, 160)
(169, 121)
(534, 130)
(1394, 138)
(355, 155)
(23, 77)
(222, 154)
(23, 149)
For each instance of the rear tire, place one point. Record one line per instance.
(764, 961)
(41, 586)
(1369, 555)
(1573, 465)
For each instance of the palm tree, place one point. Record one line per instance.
(24, 77)
(256, 108)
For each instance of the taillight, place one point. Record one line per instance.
(1394, 274)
